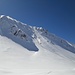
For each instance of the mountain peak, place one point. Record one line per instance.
(1, 16)
(4, 16)
(17, 30)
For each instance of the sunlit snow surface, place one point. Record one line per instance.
(33, 50)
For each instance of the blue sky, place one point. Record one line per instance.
(57, 16)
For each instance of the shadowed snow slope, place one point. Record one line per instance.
(27, 50)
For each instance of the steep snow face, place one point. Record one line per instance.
(27, 50)
(18, 32)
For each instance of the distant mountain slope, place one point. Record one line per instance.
(27, 50)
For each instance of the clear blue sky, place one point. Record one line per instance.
(57, 16)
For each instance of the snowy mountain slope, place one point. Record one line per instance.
(16, 31)
(10, 27)
(27, 50)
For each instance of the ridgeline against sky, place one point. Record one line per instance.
(57, 16)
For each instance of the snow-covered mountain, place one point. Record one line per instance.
(27, 50)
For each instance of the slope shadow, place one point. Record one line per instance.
(29, 45)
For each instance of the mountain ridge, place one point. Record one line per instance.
(31, 50)
(26, 32)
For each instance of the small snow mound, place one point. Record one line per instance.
(2, 16)
(38, 28)
(38, 39)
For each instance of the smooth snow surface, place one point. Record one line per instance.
(27, 50)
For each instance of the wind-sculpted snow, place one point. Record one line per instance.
(18, 32)
(27, 50)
